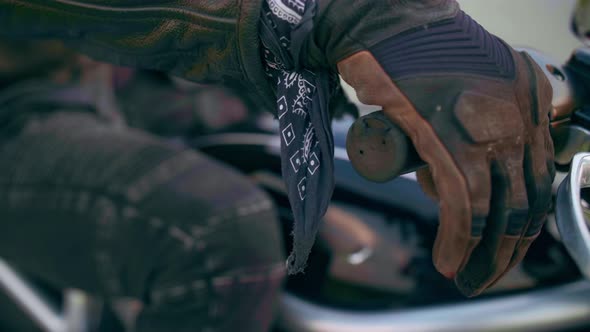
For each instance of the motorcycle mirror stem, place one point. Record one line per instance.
(580, 24)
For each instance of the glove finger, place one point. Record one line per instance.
(539, 168)
(539, 171)
(456, 238)
(539, 178)
(549, 153)
(506, 222)
(520, 251)
(523, 246)
(538, 157)
(426, 182)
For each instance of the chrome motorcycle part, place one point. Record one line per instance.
(570, 215)
(552, 309)
(78, 310)
(568, 140)
(30, 300)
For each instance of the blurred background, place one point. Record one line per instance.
(542, 24)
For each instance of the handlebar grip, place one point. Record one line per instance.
(379, 150)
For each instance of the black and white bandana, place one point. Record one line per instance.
(307, 145)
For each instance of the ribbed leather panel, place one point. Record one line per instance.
(457, 45)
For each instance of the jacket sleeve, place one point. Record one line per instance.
(203, 41)
(344, 27)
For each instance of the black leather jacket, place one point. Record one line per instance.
(204, 41)
(208, 41)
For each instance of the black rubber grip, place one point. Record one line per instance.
(379, 150)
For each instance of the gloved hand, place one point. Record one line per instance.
(476, 111)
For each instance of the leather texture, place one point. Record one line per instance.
(492, 179)
(457, 44)
(204, 41)
(475, 110)
(344, 27)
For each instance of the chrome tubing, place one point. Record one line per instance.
(30, 301)
(570, 216)
(557, 308)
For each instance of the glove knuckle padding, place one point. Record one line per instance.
(484, 118)
(534, 93)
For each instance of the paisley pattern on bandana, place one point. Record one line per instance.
(307, 146)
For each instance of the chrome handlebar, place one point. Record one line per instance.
(570, 216)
